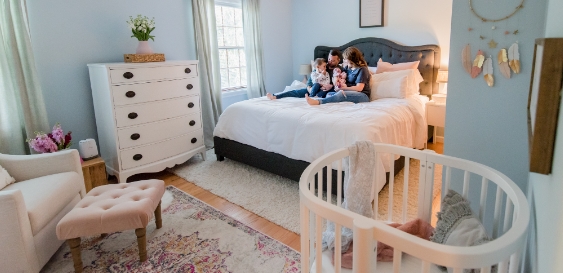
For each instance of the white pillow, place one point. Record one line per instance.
(411, 89)
(389, 87)
(372, 69)
(5, 178)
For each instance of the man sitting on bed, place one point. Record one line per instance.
(333, 62)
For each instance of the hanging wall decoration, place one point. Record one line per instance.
(488, 72)
(466, 58)
(503, 63)
(514, 57)
(496, 31)
(477, 64)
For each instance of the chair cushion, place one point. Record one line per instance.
(112, 208)
(46, 196)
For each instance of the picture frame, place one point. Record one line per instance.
(543, 102)
(371, 13)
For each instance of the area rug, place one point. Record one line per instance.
(276, 198)
(194, 238)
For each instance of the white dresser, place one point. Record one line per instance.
(147, 114)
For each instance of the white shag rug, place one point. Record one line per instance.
(276, 198)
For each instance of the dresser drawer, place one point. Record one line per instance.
(158, 131)
(155, 111)
(143, 74)
(153, 91)
(143, 155)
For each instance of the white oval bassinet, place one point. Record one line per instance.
(508, 221)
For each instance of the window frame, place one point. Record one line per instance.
(232, 4)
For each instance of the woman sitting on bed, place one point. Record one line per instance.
(357, 87)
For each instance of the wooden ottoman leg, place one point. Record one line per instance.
(158, 216)
(74, 245)
(142, 242)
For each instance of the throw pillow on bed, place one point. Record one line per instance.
(457, 226)
(389, 67)
(5, 178)
(398, 84)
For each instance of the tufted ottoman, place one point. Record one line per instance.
(112, 208)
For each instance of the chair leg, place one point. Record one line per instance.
(142, 242)
(158, 216)
(74, 245)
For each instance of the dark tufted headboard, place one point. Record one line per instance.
(375, 48)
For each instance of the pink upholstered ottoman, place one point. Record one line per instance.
(113, 208)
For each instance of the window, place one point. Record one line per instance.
(230, 40)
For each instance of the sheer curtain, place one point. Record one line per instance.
(253, 48)
(208, 55)
(22, 109)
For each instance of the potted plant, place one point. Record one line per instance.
(142, 27)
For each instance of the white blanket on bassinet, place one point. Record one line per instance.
(358, 188)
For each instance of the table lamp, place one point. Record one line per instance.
(443, 92)
(305, 69)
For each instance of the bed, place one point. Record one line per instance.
(284, 136)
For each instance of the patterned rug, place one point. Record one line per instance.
(194, 238)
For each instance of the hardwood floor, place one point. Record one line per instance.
(259, 223)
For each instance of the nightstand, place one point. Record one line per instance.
(435, 116)
(94, 171)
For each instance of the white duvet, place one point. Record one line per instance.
(293, 128)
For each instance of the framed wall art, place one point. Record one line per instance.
(371, 13)
(543, 102)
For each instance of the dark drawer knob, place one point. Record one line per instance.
(192, 123)
(128, 75)
(190, 86)
(130, 94)
(188, 71)
(135, 136)
(194, 140)
(137, 157)
(133, 115)
(191, 105)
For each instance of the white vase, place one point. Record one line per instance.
(144, 48)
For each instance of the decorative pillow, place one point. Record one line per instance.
(5, 178)
(398, 84)
(388, 67)
(457, 226)
(390, 85)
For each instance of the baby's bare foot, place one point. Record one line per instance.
(311, 101)
(270, 96)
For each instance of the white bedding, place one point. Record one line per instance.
(292, 128)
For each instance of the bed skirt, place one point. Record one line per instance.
(273, 162)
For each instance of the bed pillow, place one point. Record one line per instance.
(457, 226)
(372, 70)
(405, 82)
(389, 85)
(388, 67)
(5, 178)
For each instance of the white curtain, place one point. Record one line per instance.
(209, 71)
(22, 109)
(253, 48)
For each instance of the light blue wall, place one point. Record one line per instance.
(484, 124)
(546, 191)
(335, 22)
(67, 35)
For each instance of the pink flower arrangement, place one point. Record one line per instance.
(51, 142)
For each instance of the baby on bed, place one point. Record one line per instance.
(320, 77)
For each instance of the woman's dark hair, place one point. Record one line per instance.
(354, 55)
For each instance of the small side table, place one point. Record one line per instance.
(94, 171)
(435, 116)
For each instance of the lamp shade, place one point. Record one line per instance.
(305, 69)
(442, 76)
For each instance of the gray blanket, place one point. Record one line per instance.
(358, 181)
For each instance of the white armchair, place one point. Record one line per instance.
(47, 187)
